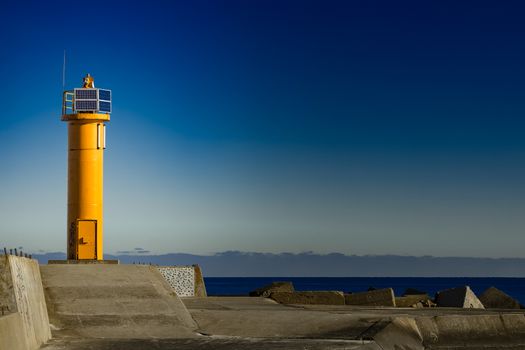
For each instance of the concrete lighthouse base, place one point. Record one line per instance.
(82, 262)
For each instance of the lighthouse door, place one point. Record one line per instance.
(86, 239)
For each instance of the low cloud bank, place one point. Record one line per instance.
(247, 264)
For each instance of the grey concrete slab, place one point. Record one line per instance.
(399, 311)
(458, 297)
(113, 301)
(133, 319)
(257, 317)
(208, 343)
(232, 303)
(260, 317)
(411, 300)
(378, 297)
(493, 298)
(281, 323)
(309, 297)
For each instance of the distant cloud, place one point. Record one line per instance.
(308, 264)
(136, 251)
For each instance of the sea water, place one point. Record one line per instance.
(514, 287)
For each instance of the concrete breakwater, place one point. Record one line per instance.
(460, 297)
(453, 332)
(134, 307)
(26, 324)
(377, 327)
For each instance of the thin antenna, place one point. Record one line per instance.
(64, 73)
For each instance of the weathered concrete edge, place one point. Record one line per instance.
(7, 295)
(402, 333)
(83, 262)
(24, 284)
(187, 318)
(200, 286)
(419, 333)
(378, 297)
(12, 335)
(309, 297)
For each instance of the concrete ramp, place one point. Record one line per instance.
(113, 301)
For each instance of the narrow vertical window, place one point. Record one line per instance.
(98, 136)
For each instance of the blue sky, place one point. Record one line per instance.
(360, 127)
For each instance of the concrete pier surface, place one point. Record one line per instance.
(113, 301)
(95, 306)
(260, 323)
(209, 343)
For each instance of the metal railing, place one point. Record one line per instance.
(17, 253)
(68, 102)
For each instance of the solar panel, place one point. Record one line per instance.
(86, 105)
(85, 94)
(93, 100)
(105, 106)
(104, 95)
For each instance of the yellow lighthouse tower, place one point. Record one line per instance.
(86, 110)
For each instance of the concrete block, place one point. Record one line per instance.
(200, 286)
(21, 286)
(494, 298)
(378, 297)
(478, 331)
(12, 334)
(401, 333)
(312, 298)
(271, 288)
(411, 300)
(462, 297)
(7, 294)
(475, 331)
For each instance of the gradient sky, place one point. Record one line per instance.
(360, 127)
